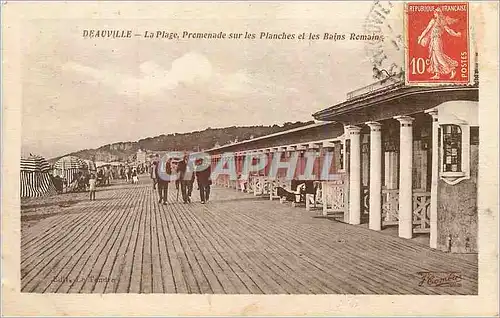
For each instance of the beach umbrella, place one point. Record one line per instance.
(67, 167)
(34, 177)
(70, 162)
(35, 163)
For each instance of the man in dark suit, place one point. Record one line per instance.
(204, 182)
(186, 179)
(163, 184)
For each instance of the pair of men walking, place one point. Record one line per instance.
(185, 181)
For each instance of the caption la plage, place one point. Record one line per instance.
(163, 34)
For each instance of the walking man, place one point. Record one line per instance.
(204, 182)
(163, 184)
(186, 179)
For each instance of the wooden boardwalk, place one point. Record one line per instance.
(125, 242)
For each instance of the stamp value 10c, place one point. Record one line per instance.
(437, 43)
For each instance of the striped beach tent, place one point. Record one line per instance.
(67, 167)
(35, 177)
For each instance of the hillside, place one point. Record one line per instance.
(193, 141)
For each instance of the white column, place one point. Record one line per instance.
(434, 177)
(375, 176)
(355, 176)
(405, 177)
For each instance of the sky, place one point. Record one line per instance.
(83, 93)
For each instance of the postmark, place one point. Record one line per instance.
(386, 53)
(437, 41)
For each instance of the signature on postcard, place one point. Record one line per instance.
(440, 279)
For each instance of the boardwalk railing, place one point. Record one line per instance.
(334, 196)
(421, 212)
(390, 206)
(421, 209)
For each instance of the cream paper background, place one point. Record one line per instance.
(15, 14)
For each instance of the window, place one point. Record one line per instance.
(454, 145)
(452, 148)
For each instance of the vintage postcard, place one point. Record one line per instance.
(250, 158)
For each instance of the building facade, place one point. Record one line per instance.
(403, 156)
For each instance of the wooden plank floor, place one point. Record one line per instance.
(126, 242)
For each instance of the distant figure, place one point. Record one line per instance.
(243, 182)
(100, 177)
(204, 182)
(128, 174)
(135, 177)
(92, 186)
(153, 174)
(58, 183)
(82, 182)
(107, 176)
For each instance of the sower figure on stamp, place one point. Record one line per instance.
(163, 180)
(440, 63)
(204, 182)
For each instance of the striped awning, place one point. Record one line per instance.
(34, 163)
(70, 162)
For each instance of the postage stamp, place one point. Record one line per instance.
(437, 43)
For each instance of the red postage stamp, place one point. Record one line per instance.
(437, 43)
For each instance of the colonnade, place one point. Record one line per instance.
(405, 191)
(352, 168)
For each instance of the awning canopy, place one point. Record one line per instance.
(397, 100)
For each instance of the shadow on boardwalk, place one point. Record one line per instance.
(125, 242)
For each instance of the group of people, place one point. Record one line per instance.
(79, 182)
(103, 176)
(185, 177)
(130, 174)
